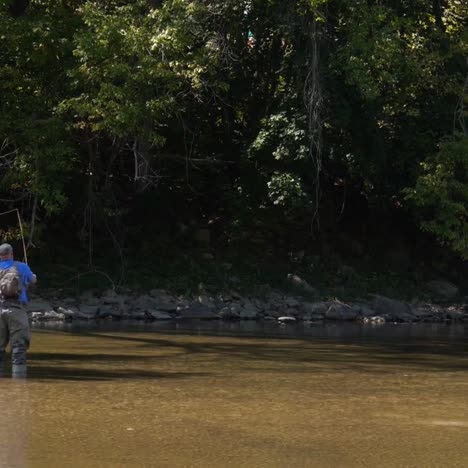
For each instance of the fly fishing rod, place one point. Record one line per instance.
(21, 231)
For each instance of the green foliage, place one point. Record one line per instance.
(282, 137)
(286, 190)
(130, 118)
(441, 194)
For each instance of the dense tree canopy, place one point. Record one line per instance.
(306, 122)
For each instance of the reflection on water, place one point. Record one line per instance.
(15, 422)
(247, 394)
(322, 330)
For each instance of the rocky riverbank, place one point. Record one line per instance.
(273, 305)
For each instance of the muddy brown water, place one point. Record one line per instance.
(239, 395)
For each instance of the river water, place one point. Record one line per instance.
(239, 395)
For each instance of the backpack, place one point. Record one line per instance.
(10, 282)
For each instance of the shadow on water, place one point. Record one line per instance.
(346, 348)
(70, 373)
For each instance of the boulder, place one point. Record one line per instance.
(87, 311)
(110, 311)
(68, 313)
(272, 314)
(38, 305)
(144, 302)
(340, 311)
(363, 310)
(158, 315)
(138, 314)
(428, 312)
(198, 311)
(287, 319)
(207, 301)
(314, 308)
(301, 285)
(89, 298)
(443, 290)
(393, 310)
(52, 315)
(455, 314)
(166, 306)
(162, 296)
(112, 298)
(230, 312)
(248, 310)
(292, 302)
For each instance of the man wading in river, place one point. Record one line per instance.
(14, 324)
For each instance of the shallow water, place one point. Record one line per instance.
(241, 395)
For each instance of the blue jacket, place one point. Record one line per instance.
(26, 275)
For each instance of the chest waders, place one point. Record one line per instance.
(14, 329)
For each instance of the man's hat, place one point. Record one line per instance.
(6, 249)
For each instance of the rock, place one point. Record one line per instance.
(274, 296)
(269, 317)
(248, 310)
(443, 290)
(236, 295)
(52, 315)
(138, 315)
(87, 311)
(145, 302)
(260, 305)
(287, 319)
(207, 301)
(38, 305)
(262, 290)
(428, 312)
(162, 296)
(291, 312)
(301, 285)
(110, 311)
(376, 319)
(393, 310)
(313, 317)
(340, 311)
(89, 298)
(455, 314)
(273, 313)
(111, 297)
(230, 312)
(308, 308)
(36, 316)
(292, 302)
(363, 310)
(275, 305)
(198, 311)
(68, 301)
(165, 306)
(158, 315)
(68, 313)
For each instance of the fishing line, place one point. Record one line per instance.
(21, 230)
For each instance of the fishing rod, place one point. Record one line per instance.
(21, 230)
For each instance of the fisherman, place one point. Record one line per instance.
(14, 324)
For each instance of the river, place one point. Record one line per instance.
(211, 394)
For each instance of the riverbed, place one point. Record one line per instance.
(239, 394)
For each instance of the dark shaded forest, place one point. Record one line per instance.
(225, 142)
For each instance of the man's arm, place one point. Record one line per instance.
(28, 276)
